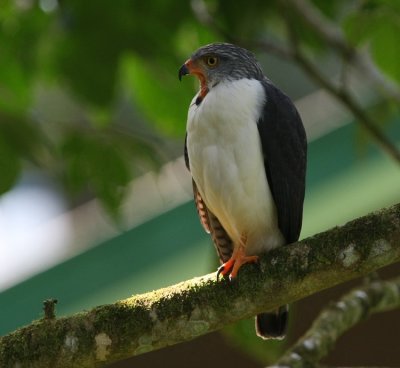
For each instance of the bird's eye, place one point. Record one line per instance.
(212, 61)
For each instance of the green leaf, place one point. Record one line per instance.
(378, 24)
(356, 27)
(15, 90)
(96, 164)
(22, 135)
(156, 89)
(9, 164)
(20, 31)
(385, 48)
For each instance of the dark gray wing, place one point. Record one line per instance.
(284, 145)
(210, 222)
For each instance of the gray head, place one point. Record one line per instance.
(218, 62)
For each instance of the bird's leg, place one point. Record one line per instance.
(238, 259)
(228, 265)
(241, 257)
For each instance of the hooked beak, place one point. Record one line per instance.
(184, 70)
(191, 67)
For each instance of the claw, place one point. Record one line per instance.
(220, 270)
(226, 267)
(233, 265)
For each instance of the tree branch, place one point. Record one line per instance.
(333, 321)
(192, 308)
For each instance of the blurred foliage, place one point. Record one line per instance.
(89, 90)
(242, 336)
(124, 56)
(377, 23)
(99, 163)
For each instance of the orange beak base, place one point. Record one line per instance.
(191, 67)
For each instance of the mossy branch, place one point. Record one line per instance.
(192, 308)
(337, 318)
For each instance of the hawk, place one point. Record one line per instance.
(246, 149)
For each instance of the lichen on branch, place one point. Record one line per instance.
(339, 317)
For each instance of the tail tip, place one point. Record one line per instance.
(273, 325)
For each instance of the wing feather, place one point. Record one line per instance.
(284, 145)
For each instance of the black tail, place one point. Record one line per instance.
(273, 325)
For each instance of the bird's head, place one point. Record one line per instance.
(218, 62)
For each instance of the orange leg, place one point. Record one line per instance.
(238, 259)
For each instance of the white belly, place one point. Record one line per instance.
(226, 163)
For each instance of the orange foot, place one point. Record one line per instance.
(238, 259)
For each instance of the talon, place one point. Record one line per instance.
(225, 268)
(233, 265)
(220, 270)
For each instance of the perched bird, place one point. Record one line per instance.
(246, 150)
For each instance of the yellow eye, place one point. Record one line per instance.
(212, 61)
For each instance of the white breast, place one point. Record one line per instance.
(227, 165)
